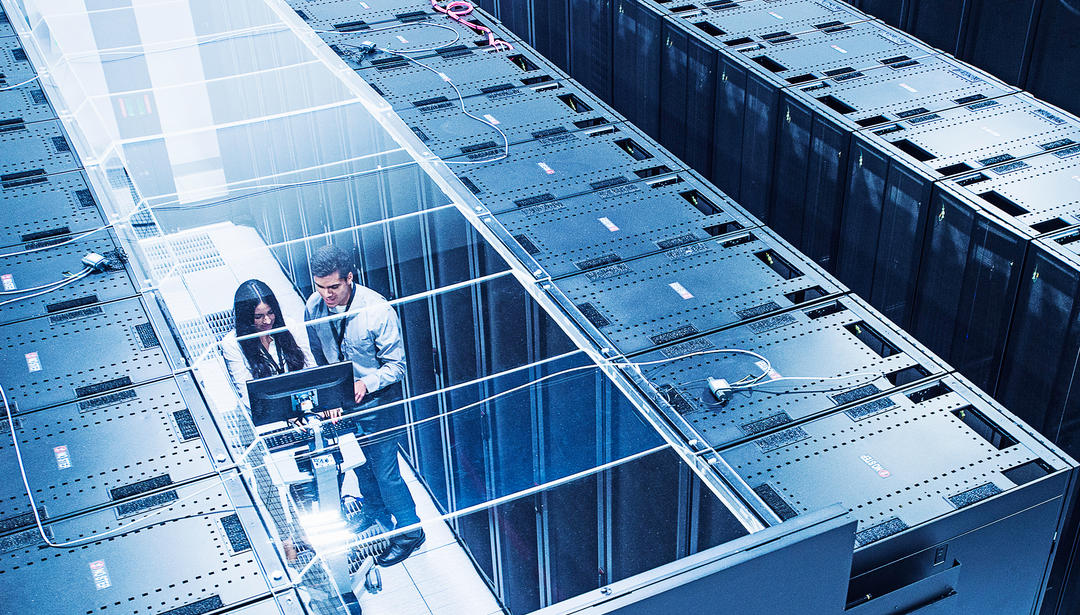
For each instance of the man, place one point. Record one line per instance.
(370, 337)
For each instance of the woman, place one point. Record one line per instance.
(250, 351)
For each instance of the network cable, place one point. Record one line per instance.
(457, 35)
(20, 84)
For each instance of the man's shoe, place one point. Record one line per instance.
(401, 547)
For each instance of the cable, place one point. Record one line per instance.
(82, 274)
(18, 85)
(457, 35)
(50, 284)
(458, 9)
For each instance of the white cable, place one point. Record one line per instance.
(457, 35)
(19, 85)
(49, 285)
(461, 101)
(772, 380)
(61, 243)
(78, 276)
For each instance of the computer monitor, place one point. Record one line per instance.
(294, 394)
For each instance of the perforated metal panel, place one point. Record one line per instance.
(692, 289)
(471, 68)
(564, 165)
(197, 556)
(31, 150)
(39, 207)
(119, 347)
(53, 265)
(353, 16)
(594, 229)
(14, 65)
(5, 25)
(770, 21)
(523, 113)
(287, 603)
(841, 339)
(101, 449)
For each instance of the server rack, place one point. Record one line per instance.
(975, 250)
(45, 207)
(944, 482)
(128, 350)
(892, 171)
(1048, 65)
(31, 150)
(5, 25)
(637, 45)
(693, 288)
(563, 165)
(591, 45)
(54, 265)
(26, 102)
(748, 96)
(523, 114)
(594, 230)
(204, 550)
(109, 448)
(814, 137)
(844, 357)
(551, 30)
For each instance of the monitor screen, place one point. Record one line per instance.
(294, 394)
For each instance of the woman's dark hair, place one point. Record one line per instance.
(247, 298)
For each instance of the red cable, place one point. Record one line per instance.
(458, 9)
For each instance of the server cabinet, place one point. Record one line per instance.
(41, 207)
(974, 250)
(688, 93)
(814, 136)
(892, 12)
(638, 46)
(735, 24)
(1050, 71)
(597, 229)
(748, 99)
(472, 69)
(203, 550)
(1040, 367)
(692, 289)
(24, 102)
(839, 357)
(40, 369)
(940, 24)
(109, 449)
(591, 34)
(29, 151)
(552, 31)
(998, 34)
(943, 483)
(562, 165)
(55, 265)
(523, 114)
(891, 173)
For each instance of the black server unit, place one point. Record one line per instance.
(591, 28)
(688, 93)
(997, 36)
(1040, 367)
(974, 251)
(519, 17)
(562, 165)
(637, 49)
(110, 448)
(55, 265)
(1050, 72)
(891, 174)
(691, 289)
(940, 24)
(123, 343)
(203, 551)
(955, 500)
(892, 12)
(522, 113)
(595, 229)
(748, 99)
(815, 134)
(472, 69)
(840, 357)
(30, 151)
(551, 27)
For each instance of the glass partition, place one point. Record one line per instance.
(471, 434)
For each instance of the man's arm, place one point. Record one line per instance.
(389, 349)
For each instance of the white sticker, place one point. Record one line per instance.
(608, 224)
(840, 49)
(773, 374)
(491, 118)
(679, 288)
(9, 282)
(991, 131)
(63, 459)
(908, 88)
(1076, 178)
(100, 574)
(365, 5)
(402, 38)
(776, 15)
(546, 168)
(33, 363)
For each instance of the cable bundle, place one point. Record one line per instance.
(458, 9)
